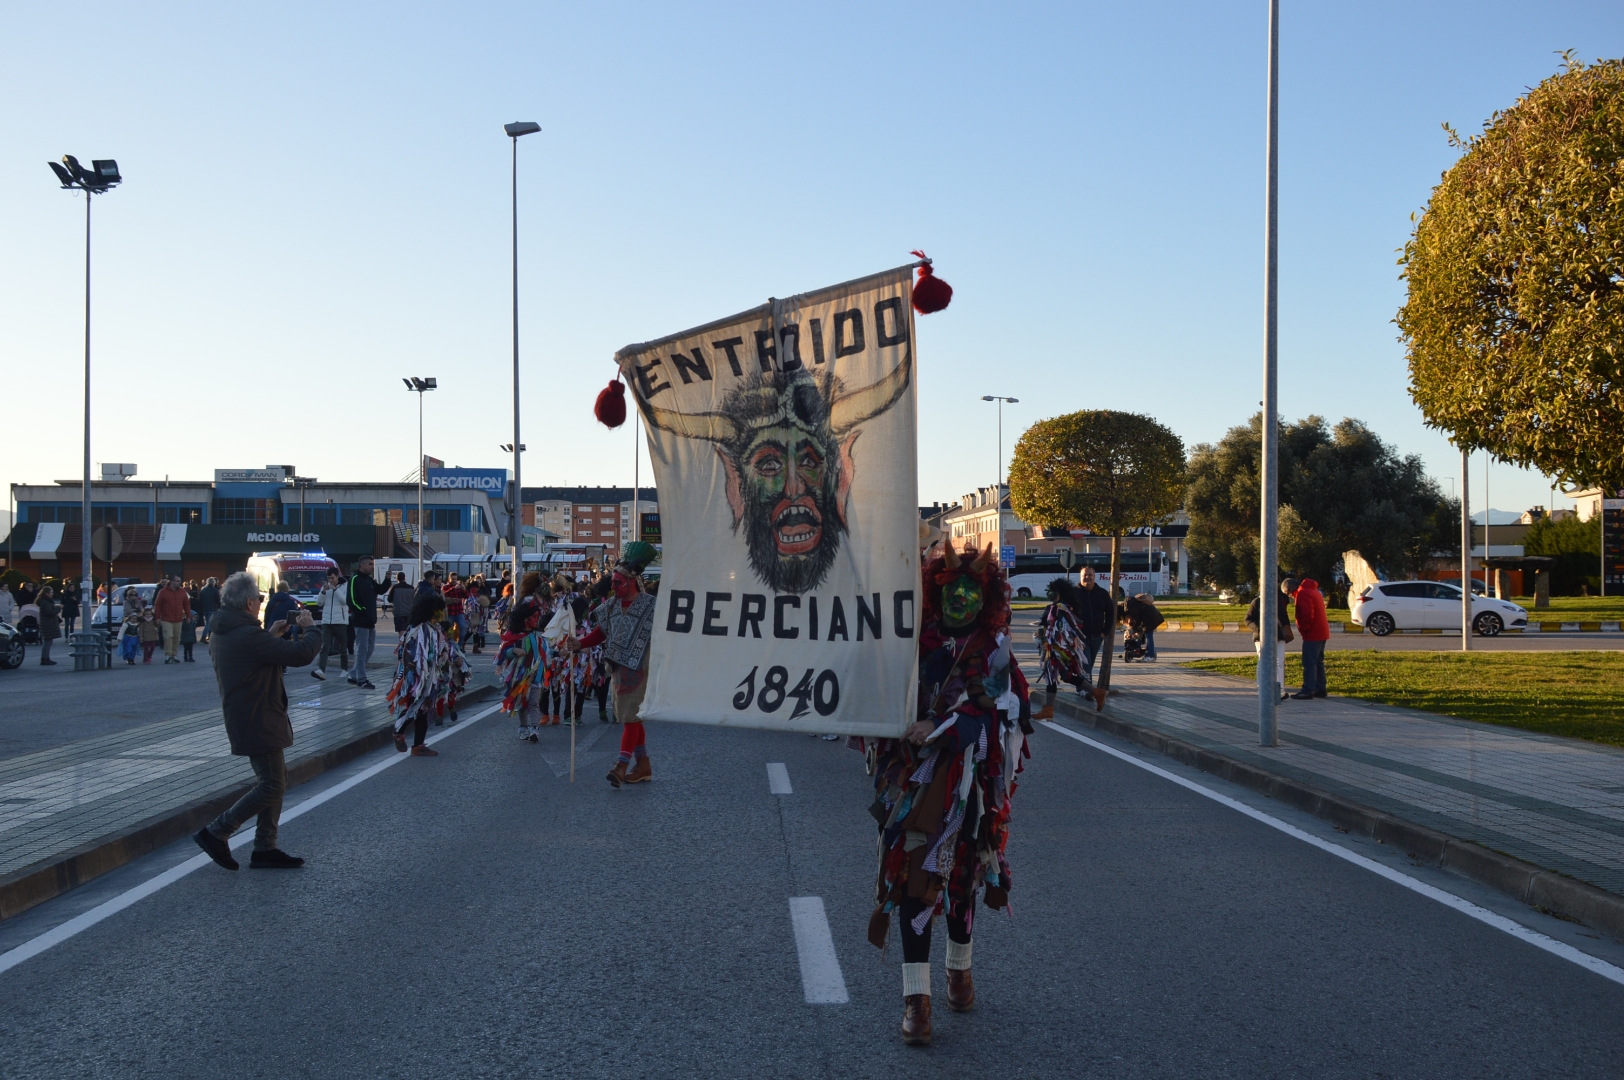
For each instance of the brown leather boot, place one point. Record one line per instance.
(1045, 713)
(961, 992)
(641, 773)
(916, 1020)
(617, 775)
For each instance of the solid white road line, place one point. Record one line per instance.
(778, 779)
(58, 934)
(1448, 899)
(821, 979)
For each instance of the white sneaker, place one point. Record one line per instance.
(524, 734)
(318, 674)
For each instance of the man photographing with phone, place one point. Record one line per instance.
(248, 665)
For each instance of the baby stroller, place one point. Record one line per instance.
(1133, 646)
(28, 623)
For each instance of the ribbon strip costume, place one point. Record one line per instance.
(942, 793)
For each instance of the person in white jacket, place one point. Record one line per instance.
(335, 623)
(8, 604)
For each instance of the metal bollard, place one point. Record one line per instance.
(89, 650)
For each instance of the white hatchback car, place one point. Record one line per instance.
(1428, 605)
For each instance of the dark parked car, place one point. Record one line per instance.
(12, 649)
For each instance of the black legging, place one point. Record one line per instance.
(916, 947)
(558, 699)
(420, 726)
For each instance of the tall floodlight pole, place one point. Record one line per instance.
(1466, 553)
(1268, 694)
(420, 387)
(999, 481)
(102, 176)
(516, 519)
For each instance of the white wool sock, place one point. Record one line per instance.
(958, 956)
(915, 979)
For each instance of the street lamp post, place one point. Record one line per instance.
(1268, 692)
(999, 483)
(420, 387)
(513, 504)
(515, 522)
(101, 177)
(303, 484)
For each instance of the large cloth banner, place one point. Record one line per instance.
(784, 449)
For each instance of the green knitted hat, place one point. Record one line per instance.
(636, 555)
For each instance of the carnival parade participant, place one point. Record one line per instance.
(1060, 650)
(944, 788)
(519, 664)
(623, 626)
(569, 670)
(425, 669)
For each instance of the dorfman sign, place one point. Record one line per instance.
(250, 476)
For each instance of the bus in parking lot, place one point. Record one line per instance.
(1031, 574)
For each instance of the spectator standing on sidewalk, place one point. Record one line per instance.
(333, 603)
(248, 666)
(1282, 632)
(188, 636)
(148, 632)
(456, 598)
(1143, 616)
(172, 607)
(1316, 631)
(26, 593)
(362, 598)
(69, 601)
(1095, 612)
(50, 625)
(401, 596)
(8, 605)
(208, 602)
(281, 604)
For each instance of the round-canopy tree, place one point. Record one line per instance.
(1515, 317)
(1101, 470)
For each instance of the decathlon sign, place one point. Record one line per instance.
(492, 482)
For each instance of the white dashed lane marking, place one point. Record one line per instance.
(778, 779)
(821, 979)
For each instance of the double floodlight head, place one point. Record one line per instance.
(507, 447)
(996, 397)
(420, 385)
(523, 127)
(102, 174)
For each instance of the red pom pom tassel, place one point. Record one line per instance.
(610, 408)
(930, 293)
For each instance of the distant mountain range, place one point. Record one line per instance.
(1497, 517)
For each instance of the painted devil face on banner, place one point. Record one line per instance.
(786, 445)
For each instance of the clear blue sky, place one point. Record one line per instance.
(316, 204)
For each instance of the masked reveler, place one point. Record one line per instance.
(1060, 650)
(622, 626)
(943, 790)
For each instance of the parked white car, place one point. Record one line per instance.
(98, 617)
(1428, 605)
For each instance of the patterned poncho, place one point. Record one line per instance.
(1060, 647)
(944, 807)
(519, 664)
(429, 672)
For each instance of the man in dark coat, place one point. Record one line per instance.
(361, 597)
(207, 603)
(248, 662)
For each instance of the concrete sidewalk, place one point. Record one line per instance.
(1548, 803)
(75, 811)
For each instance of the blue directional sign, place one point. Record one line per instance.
(1006, 556)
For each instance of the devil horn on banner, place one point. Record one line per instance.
(610, 408)
(930, 293)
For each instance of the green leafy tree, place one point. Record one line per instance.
(1340, 488)
(1515, 316)
(1576, 547)
(1102, 470)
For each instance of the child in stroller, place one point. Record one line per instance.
(28, 623)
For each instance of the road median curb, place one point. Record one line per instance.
(62, 873)
(1545, 890)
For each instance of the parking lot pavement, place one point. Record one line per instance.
(45, 707)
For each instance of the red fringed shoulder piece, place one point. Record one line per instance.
(610, 408)
(930, 293)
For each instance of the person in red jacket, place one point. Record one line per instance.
(1316, 631)
(172, 607)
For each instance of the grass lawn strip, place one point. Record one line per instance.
(1576, 694)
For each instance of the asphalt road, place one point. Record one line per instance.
(476, 914)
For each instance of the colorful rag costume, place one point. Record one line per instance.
(429, 671)
(623, 625)
(1060, 649)
(520, 662)
(942, 795)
